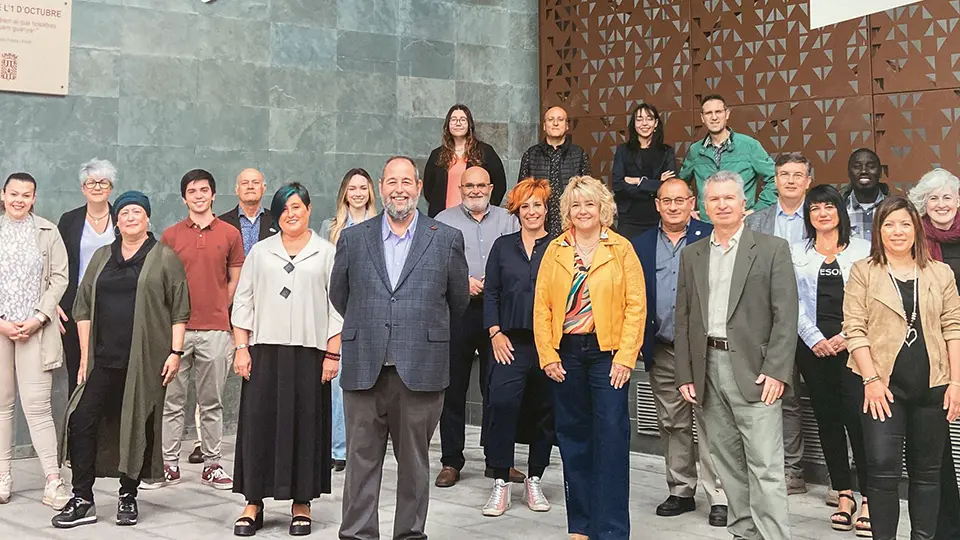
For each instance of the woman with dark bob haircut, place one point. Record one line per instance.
(901, 320)
(287, 335)
(639, 166)
(822, 263)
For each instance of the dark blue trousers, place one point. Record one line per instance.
(593, 430)
(517, 389)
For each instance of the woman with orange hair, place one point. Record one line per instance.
(516, 385)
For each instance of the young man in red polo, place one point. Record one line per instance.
(212, 254)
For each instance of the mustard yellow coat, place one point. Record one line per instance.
(617, 296)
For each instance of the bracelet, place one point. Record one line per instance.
(869, 380)
(176, 352)
(493, 335)
(242, 346)
(332, 355)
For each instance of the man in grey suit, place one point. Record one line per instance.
(785, 220)
(397, 280)
(736, 336)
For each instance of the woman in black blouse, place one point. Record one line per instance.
(937, 196)
(516, 384)
(639, 166)
(459, 150)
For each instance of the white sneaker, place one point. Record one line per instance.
(6, 485)
(56, 494)
(533, 495)
(499, 501)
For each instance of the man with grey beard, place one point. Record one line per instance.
(398, 280)
(481, 224)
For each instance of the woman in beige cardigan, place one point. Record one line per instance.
(902, 326)
(33, 277)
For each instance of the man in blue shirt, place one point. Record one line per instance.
(785, 220)
(659, 252)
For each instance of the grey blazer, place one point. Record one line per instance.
(412, 322)
(763, 221)
(761, 318)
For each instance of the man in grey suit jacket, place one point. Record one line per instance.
(785, 220)
(397, 279)
(736, 336)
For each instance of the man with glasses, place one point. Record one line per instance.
(724, 150)
(481, 224)
(555, 158)
(659, 251)
(785, 220)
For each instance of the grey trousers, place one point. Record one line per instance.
(409, 419)
(209, 354)
(747, 448)
(675, 417)
(792, 432)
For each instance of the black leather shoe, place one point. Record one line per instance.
(196, 456)
(339, 465)
(127, 511)
(248, 527)
(718, 515)
(674, 506)
(76, 512)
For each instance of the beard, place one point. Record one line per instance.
(477, 205)
(397, 212)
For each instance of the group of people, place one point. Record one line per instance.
(368, 331)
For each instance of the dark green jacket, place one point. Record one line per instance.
(162, 301)
(744, 156)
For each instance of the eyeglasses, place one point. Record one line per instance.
(646, 120)
(679, 201)
(103, 183)
(712, 114)
(473, 187)
(785, 175)
(458, 121)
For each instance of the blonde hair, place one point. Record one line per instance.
(590, 189)
(343, 207)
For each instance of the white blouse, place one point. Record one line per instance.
(286, 301)
(90, 242)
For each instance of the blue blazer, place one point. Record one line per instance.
(645, 245)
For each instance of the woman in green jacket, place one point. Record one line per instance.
(131, 311)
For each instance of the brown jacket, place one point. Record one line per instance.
(873, 317)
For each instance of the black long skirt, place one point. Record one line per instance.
(283, 436)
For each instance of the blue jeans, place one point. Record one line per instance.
(339, 432)
(593, 430)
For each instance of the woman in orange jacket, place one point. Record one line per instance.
(589, 311)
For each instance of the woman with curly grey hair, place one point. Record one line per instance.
(937, 197)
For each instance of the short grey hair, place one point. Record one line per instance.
(98, 168)
(721, 177)
(930, 182)
(391, 159)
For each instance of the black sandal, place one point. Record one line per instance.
(847, 523)
(864, 529)
(301, 525)
(246, 526)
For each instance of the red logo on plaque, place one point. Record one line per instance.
(8, 66)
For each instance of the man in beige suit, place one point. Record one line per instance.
(736, 335)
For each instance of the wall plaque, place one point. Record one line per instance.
(824, 12)
(35, 46)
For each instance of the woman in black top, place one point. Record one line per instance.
(937, 196)
(459, 150)
(516, 384)
(639, 166)
(822, 264)
(902, 327)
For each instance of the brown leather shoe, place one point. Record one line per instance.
(516, 476)
(448, 477)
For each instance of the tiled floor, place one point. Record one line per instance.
(191, 511)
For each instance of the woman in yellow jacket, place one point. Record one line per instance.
(589, 312)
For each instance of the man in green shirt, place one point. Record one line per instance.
(724, 150)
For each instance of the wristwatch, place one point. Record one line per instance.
(176, 352)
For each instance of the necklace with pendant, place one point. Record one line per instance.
(911, 335)
(97, 220)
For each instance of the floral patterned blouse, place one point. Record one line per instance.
(21, 268)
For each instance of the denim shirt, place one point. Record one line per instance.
(806, 263)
